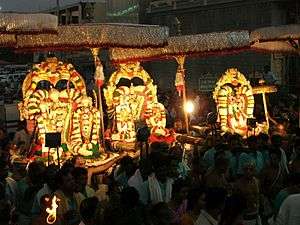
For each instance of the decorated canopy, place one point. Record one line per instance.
(7, 40)
(13, 24)
(97, 36)
(283, 39)
(201, 44)
(41, 32)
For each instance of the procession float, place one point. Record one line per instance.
(234, 96)
(131, 98)
(178, 49)
(130, 93)
(235, 105)
(55, 101)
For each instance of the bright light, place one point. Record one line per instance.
(280, 127)
(189, 107)
(51, 218)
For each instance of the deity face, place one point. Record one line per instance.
(54, 95)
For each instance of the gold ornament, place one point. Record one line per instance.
(235, 104)
(131, 97)
(63, 108)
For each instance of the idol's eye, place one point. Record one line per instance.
(63, 85)
(136, 81)
(43, 85)
(124, 82)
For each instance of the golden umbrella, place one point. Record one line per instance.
(281, 39)
(263, 89)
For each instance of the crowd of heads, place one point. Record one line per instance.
(228, 178)
(224, 178)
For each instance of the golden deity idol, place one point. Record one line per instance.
(55, 101)
(131, 98)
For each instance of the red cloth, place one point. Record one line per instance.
(99, 83)
(155, 138)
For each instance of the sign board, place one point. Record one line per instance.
(12, 117)
(207, 82)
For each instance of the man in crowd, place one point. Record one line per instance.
(68, 209)
(28, 188)
(80, 175)
(88, 211)
(158, 187)
(249, 188)
(216, 176)
(8, 185)
(289, 213)
(48, 189)
(214, 204)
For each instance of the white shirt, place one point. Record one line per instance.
(90, 192)
(206, 219)
(136, 181)
(289, 213)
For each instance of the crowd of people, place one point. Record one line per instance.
(226, 181)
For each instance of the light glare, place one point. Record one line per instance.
(189, 107)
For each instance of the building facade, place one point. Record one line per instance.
(122, 11)
(202, 16)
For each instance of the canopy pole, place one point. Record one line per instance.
(181, 72)
(99, 79)
(266, 109)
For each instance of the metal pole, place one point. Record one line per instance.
(101, 116)
(95, 52)
(298, 111)
(181, 60)
(186, 117)
(266, 109)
